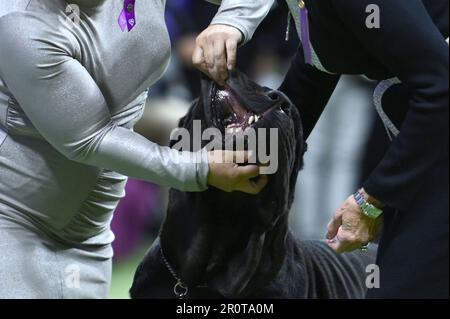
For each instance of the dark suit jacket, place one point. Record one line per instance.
(409, 45)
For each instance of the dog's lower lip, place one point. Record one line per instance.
(249, 120)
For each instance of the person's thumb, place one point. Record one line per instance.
(249, 171)
(333, 226)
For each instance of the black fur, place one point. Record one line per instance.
(240, 245)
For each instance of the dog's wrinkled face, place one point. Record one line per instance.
(233, 241)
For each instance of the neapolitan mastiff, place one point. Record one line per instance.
(233, 245)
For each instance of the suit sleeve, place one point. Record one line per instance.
(410, 45)
(244, 15)
(67, 107)
(309, 89)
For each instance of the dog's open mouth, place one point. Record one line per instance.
(233, 116)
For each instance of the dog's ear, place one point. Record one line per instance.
(301, 148)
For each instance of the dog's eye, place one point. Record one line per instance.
(273, 95)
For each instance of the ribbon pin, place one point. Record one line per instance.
(127, 18)
(304, 25)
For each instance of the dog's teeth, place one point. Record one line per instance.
(256, 118)
(251, 120)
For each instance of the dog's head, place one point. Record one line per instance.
(234, 242)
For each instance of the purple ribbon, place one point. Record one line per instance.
(306, 41)
(127, 18)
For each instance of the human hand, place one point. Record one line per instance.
(184, 48)
(228, 176)
(350, 228)
(215, 51)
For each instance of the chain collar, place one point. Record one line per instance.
(181, 290)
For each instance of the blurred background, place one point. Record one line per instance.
(345, 146)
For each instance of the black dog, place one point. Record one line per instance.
(232, 245)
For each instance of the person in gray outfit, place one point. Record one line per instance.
(73, 81)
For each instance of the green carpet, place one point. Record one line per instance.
(123, 273)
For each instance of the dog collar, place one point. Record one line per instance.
(127, 18)
(181, 290)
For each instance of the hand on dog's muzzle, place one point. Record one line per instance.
(227, 175)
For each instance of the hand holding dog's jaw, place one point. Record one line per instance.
(226, 175)
(215, 51)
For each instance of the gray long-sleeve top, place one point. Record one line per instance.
(70, 80)
(71, 89)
